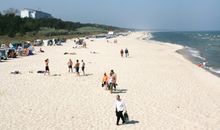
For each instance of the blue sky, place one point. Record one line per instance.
(179, 15)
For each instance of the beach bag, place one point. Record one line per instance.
(126, 117)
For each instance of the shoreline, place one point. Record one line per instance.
(195, 61)
(187, 55)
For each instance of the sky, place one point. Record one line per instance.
(178, 15)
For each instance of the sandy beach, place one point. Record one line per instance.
(162, 90)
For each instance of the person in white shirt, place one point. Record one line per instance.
(120, 107)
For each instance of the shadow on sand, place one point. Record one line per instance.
(119, 91)
(87, 75)
(131, 122)
(3, 61)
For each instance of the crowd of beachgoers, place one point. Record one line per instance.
(109, 81)
(18, 48)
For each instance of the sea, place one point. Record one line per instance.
(199, 47)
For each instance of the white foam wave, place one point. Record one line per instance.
(195, 53)
(214, 70)
(200, 35)
(148, 36)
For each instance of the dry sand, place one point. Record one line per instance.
(162, 90)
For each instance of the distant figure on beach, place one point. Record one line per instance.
(122, 52)
(126, 52)
(114, 79)
(47, 70)
(84, 44)
(115, 41)
(77, 67)
(202, 64)
(119, 108)
(105, 81)
(83, 67)
(70, 65)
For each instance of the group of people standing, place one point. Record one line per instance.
(122, 52)
(76, 66)
(70, 67)
(110, 82)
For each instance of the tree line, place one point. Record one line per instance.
(11, 25)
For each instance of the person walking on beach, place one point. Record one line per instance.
(77, 67)
(110, 83)
(105, 81)
(119, 108)
(126, 52)
(83, 67)
(47, 70)
(122, 52)
(70, 65)
(114, 79)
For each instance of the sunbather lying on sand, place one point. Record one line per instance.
(16, 72)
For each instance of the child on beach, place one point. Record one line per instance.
(47, 70)
(122, 52)
(77, 67)
(70, 65)
(83, 67)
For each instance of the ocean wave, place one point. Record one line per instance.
(195, 53)
(214, 70)
(150, 36)
(199, 35)
(147, 36)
